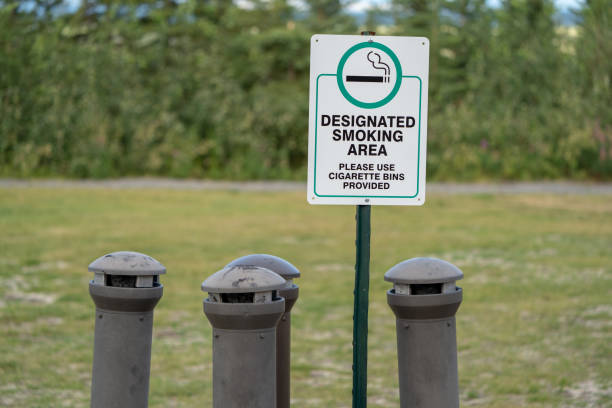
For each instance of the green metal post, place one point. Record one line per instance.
(360, 312)
(360, 315)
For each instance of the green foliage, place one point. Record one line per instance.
(212, 89)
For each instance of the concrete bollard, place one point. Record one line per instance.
(283, 331)
(125, 290)
(425, 299)
(243, 308)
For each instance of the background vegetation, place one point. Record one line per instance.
(216, 89)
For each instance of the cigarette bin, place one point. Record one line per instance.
(125, 289)
(244, 308)
(425, 299)
(283, 331)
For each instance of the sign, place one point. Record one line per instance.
(368, 120)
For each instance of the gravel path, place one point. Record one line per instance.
(557, 187)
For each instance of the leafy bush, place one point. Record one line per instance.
(213, 90)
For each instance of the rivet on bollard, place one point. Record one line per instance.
(425, 299)
(125, 290)
(283, 331)
(244, 307)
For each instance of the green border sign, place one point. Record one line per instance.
(317, 131)
(398, 72)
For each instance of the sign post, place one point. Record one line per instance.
(367, 143)
(361, 302)
(360, 313)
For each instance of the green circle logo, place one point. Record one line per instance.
(398, 73)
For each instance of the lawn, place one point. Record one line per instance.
(534, 329)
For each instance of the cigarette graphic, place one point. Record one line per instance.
(364, 78)
(376, 62)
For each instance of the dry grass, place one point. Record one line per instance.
(534, 329)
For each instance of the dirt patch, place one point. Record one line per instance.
(590, 393)
(45, 266)
(17, 291)
(333, 268)
(31, 297)
(599, 310)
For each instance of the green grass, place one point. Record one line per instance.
(534, 329)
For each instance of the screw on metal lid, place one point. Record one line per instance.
(243, 279)
(423, 270)
(128, 264)
(271, 262)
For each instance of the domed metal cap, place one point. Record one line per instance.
(271, 262)
(423, 270)
(243, 279)
(127, 264)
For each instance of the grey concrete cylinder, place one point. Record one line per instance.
(125, 290)
(244, 308)
(283, 331)
(425, 299)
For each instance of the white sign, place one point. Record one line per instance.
(368, 120)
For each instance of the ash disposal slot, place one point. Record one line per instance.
(249, 297)
(426, 289)
(121, 281)
(237, 297)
